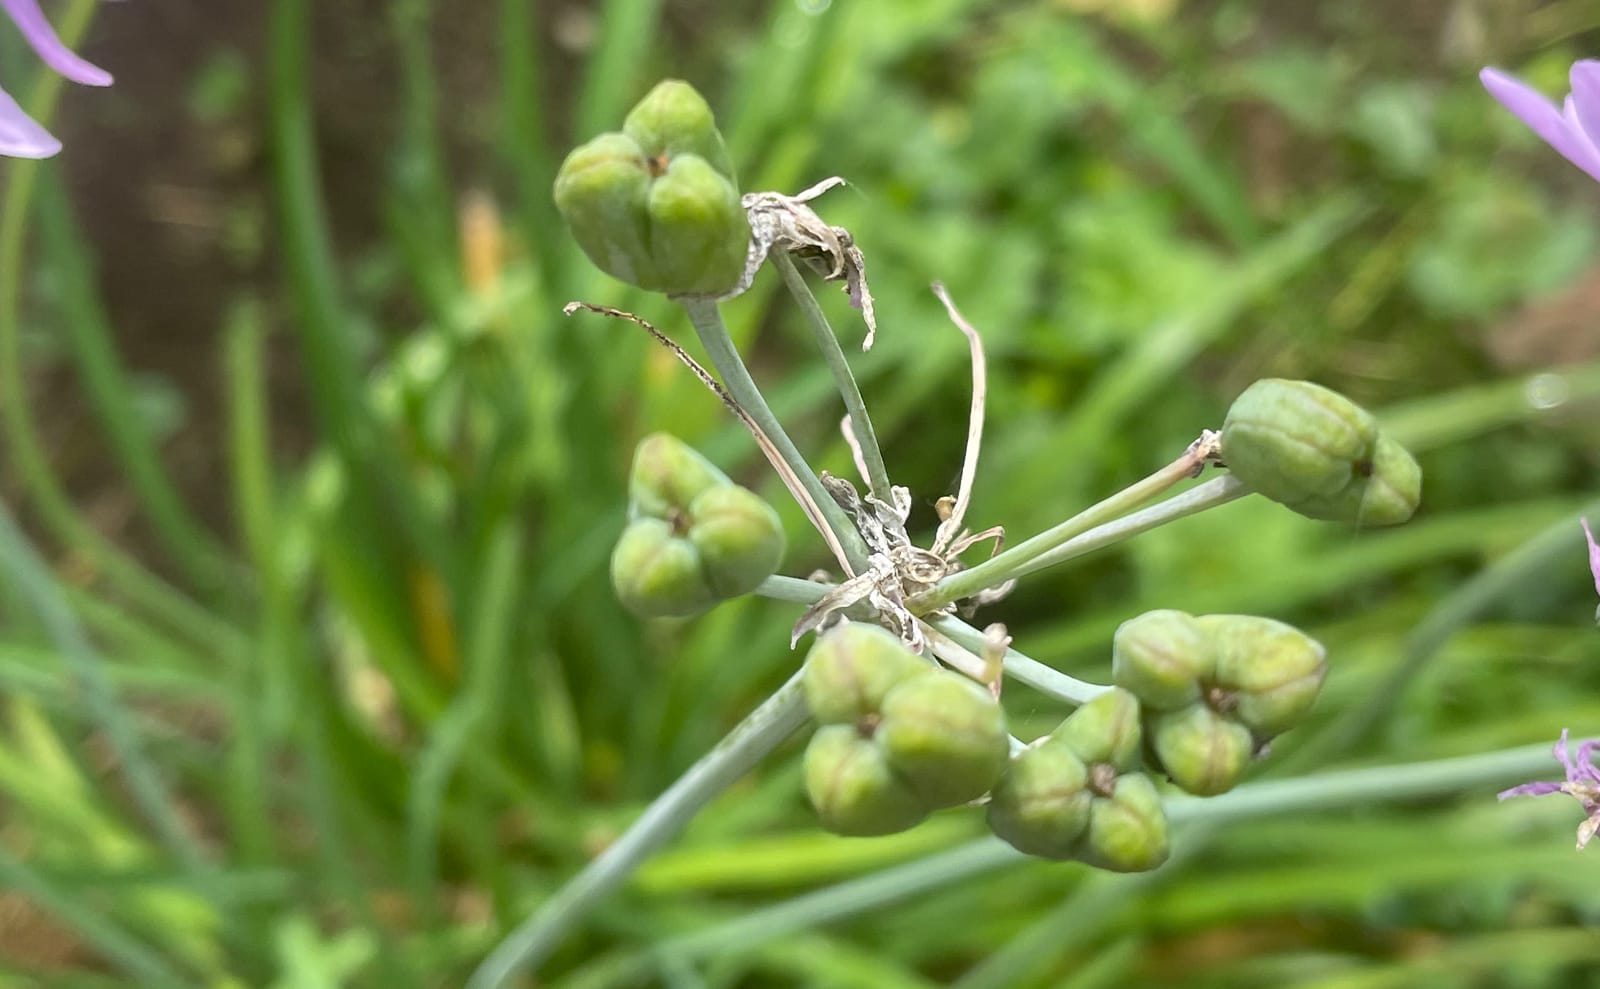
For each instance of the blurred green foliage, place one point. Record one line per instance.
(353, 736)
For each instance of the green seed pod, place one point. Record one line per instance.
(656, 574)
(1293, 439)
(1128, 830)
(602, 191)
(1161, 657)
(668, 475)
(673, 119)
(945, 736)
(852, 788)
(738, 537)
(1387, 495)
(1272, 670)
(1041, 805)
(1317, 452)
(852, 668)
(711, 539)
(1202, 751)
(1105, 730)
(699, 234)
(656, 205)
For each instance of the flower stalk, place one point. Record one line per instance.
(866, 438)
(708, 325)
(758, 734)
(1088, 531)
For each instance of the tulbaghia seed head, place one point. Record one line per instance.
(668, 475)
(708, 539)
(1394, 490)
(1041, 804)
(699, 235)
(656, 205)
(851, 669)
(1204, 752)
(1273, 670)
(1161, 657)
(1318, 453)
(603, 190)
(657, 574)
(674, 119)
(1127, 831)
(1105, 730)
(852, 788)
(945, 736)
(738, 537)
(1293, 439)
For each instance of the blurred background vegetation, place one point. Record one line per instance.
(312, 676)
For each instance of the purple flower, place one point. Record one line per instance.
(20, 135)
(1582, 782)
(1573, 130)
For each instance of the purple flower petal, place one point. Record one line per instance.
(37, 30)
(1542, 117)
(1585, 100)
(20, 136)
(1530, 790)
(1594, 553)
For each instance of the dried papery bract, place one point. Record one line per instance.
(787, 223)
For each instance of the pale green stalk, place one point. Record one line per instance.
(1018, 665)
(24, 569)
(1045, 679)
(758, 734)
(1324, 791)
(833, 355)
(736, 379)
(1003, 567)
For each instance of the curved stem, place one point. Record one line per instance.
(1009, 563)
(150, 792)
(753, 738)
(1045, 679)
(833, 356)
(1318, 792)
(736, 379)
(1003, 567)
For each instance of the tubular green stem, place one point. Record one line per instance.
(752, 739)
(1020, 666)
(88, 668)
(1323, 791)
(204, 560)
(1012, 562)
(833, 355)
(736, 378)
(1045, 679)
(1004, 567)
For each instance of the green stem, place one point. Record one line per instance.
(752, 739)
(1005, 566)
(203, 559)
(736, 378)
(1323, 791)
(1043, 678)
(833, 356)
(151, 795)
(117, 946)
